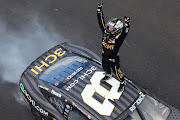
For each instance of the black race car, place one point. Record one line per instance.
(64, 84)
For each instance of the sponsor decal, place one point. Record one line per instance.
(22, 87)
(66, 112)
(89, 116)
(74, 73)
(67, 106)
(107, 46)
(45, 88)
(37, 69)
(138, 102)
(33, 103)
(87, 73)
(55, 93)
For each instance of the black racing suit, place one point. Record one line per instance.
(111, 45)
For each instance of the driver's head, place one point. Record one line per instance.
(114, 26)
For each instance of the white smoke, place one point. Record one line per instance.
(19, 48)
(18, 97)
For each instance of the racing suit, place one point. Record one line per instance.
(111, 45)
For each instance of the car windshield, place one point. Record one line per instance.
(77, 115)
(150, 109)
(64, 70)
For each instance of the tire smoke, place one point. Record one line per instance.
(19, 48)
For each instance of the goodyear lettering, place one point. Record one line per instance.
(33, 103)
(107, 46)
(138, 102)
(88, 72)
(59, 52)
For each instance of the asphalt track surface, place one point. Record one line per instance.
(150, 57)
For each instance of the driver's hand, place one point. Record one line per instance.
(127, 19)
(100, 5)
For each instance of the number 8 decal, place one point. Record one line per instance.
(106, 107)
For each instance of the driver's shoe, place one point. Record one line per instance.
(122, 85)
(106, 77)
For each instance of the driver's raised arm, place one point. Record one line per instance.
(100, 17)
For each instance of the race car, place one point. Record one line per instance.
(64, 84)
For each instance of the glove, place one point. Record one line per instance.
(127, 19)
(100, 5)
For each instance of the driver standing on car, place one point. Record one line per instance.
(114, 33)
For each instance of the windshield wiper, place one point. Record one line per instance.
(140, 112)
